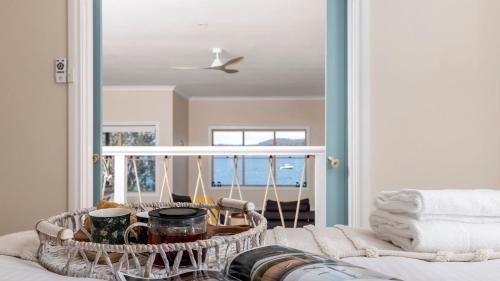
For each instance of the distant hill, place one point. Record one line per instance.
(283, 142)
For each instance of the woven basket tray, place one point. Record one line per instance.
(59, 252)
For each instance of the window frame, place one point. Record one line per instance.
(111, 127)
(246, 129)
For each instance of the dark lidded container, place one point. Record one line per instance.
(176, 225)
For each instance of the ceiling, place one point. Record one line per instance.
(282, 42)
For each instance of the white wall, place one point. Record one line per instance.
(33, 113)
(435, 94)
(204, 114)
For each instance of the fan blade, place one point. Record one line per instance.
(233, 61)
(229, 71)
(222, 68)
(213, 67)
(187, 67)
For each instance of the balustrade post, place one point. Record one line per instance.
(120, 177)
(320, 190)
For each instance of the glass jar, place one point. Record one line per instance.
(177, 225)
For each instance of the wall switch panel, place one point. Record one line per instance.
(60, 70)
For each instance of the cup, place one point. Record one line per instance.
(108, 226)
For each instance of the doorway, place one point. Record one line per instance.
(335, 204)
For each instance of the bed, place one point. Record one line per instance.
(17, 255)
(409, 269)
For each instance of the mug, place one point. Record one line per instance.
(142, 233)
(108, 225)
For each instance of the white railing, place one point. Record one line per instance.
(120, 154)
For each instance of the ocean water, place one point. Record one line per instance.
(256, 172)
(288, 170)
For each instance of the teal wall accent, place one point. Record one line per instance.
(97, 20)
(336, 110)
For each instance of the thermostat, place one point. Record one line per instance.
(60, 68)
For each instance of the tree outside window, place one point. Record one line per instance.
(146, 165)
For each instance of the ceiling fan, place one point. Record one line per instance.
(217, 64)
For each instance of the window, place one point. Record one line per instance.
(125, 135)
(253, 170)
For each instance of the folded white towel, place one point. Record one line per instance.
(471, 205)
(432, 236)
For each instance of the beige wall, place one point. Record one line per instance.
(33, 113)
(244, 113)
(435, 94)
(180, 138)
(145, 106)
(141, 107)
(188, 122)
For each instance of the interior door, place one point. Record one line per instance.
(97, 72)
(336, 111)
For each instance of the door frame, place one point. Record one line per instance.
(80, 108)
(80, 103)
(358, 112)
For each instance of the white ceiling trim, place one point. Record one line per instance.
(138, 88)
(274, 98)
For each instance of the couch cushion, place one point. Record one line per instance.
(288, 206)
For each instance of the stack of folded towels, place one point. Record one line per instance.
(438, 220)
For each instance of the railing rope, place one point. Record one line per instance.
(301, 186)
(166, 181)
(106, 174)
(199, 182)
(271, 179)
(134, 164)
(234, 181)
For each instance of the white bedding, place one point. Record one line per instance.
(16, 269)
(403, 268)
(406, 269)
(418, 270)
(12, 268)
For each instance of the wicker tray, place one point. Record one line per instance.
(59, 252)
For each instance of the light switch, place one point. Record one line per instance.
(60, 70)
